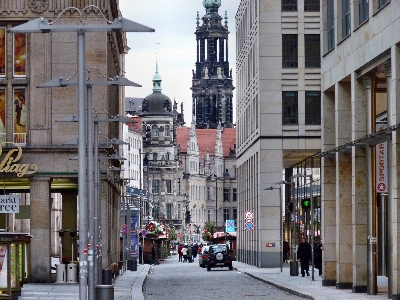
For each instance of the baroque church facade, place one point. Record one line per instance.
(191, 169)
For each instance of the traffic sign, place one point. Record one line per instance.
(249, 226)
(248, 215)
(144, 232)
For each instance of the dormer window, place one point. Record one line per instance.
(154, 130)
(166, 132)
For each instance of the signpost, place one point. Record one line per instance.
(248, 216)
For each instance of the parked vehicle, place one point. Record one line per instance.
(219, 256)
(203, 256)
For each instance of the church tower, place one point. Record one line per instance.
(212, 80)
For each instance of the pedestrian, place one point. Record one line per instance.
(189, 253)
(318, 256)
(195, 250)
(184, 253)
(154, 255)
(304, 254)
(286, 251)
(180, 252)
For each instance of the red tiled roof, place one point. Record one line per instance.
(206, 140)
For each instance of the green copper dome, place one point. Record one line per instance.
(211, 3)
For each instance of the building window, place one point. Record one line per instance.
(383, 3)
(168, 184)
(312, 51)
(227, 195)
(289, 5)
(208, 193)
(3, 51)
(19, 58)
(155, 156)
(363, 12)
(208, 215)
(330, 24)
(167, 156)
(179, 185)
(226, 214)
(234, 212)
(179, 210)
(155, 187)
(311, 5)
(289, 51)
(289, 108)
(168, 211)
(346, 15)
(154, 131)
(234, 195)
(313, 108)
(20, 112)
(2, 115)
(166, 131)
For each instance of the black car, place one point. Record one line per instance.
(219, 256)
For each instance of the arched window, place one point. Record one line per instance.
(154, 130)
(154, 156)
(166, 132)
(167, 156)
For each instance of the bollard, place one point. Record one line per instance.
(104, 292)
(106, 277)
(134, 264)
(60, 272)
(294, 268)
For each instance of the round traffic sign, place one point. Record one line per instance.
(249, 226)
(144, 232)
(248, 215)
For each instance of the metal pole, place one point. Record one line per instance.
(140, 198)
(82, 197)
(280, 227)
(90, 161)
(312, 226)
(96, 200)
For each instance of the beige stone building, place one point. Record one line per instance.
(26, 61)
(278, 117)
(359, 175)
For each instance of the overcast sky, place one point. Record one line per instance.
(174, 40)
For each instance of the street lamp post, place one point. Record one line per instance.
(41, 25)
(312, 218)
(281, 216)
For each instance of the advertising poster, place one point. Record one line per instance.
(134, 236)
(3, 266)
(20, 112)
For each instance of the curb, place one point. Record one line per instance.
(137, 288)
(285, 288)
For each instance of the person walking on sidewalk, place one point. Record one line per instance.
(286, 250)
(180, 252)
(189, 253)
(304, 254)
(184, 253)
(318, 256)
(154, 255)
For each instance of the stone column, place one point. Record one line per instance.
(344, 263)
(328, 191)
(40, 229)
(359, 99)
(69, 222)
(392, 69)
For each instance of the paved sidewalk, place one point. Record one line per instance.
(304, 286)
(126, 287)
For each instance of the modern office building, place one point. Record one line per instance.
(39, 151)
(278, 120)
(359, 173)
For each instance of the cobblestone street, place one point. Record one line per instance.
(174, 280)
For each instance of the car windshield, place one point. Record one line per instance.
(221, 248)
